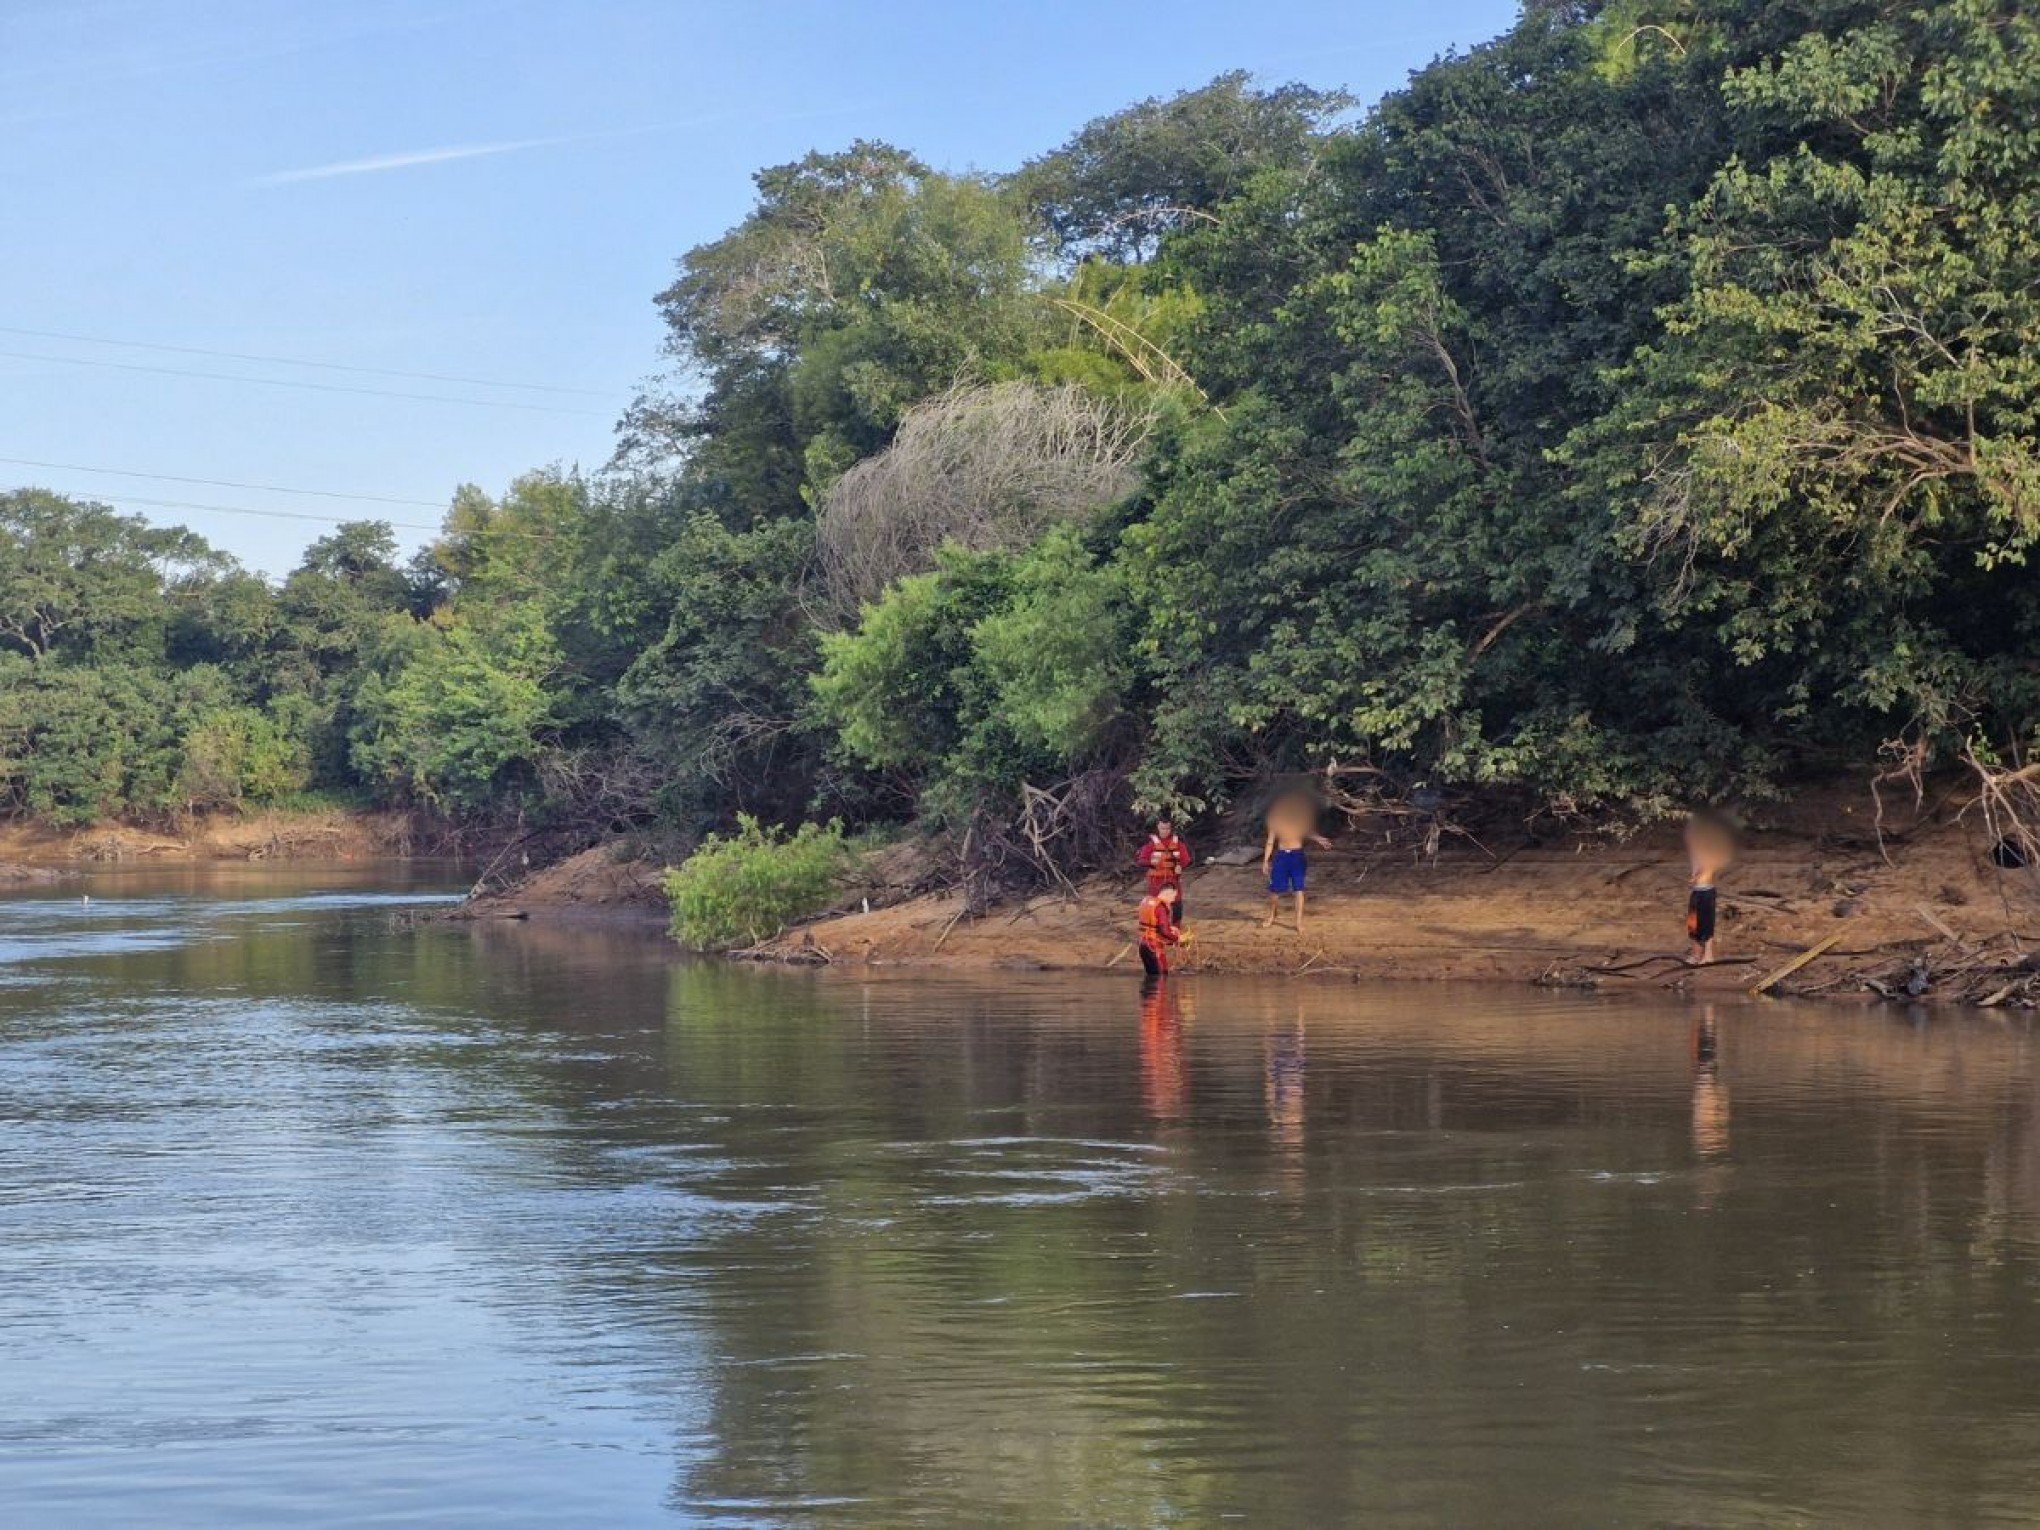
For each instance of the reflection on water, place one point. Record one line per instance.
(309, 1218)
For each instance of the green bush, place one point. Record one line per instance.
(739, 890)
(239, 755)
(463, 724)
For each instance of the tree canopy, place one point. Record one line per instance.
(1633, 411)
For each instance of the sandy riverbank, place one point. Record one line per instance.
(1928, 915)
(1558, 912)
(32, 853)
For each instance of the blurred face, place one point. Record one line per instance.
(1165, 828)
(1710, 839)
(1169, 896)
(1294, 812)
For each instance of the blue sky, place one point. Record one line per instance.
(485, 190)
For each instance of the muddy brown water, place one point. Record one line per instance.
(307, 1218)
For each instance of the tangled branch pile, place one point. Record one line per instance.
(1059, 832)
(984, 468)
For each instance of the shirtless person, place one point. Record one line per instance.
(1708, 852)
(1292, 824)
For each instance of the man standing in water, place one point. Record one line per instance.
(1158, 931)
(1292, 824)
(1166, 858)
(1708, 852)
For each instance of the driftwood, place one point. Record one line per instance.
(1809, 954)
(1630, 969)
(1988, 973)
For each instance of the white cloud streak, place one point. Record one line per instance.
(409, 159)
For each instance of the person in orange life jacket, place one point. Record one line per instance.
(1158, 930)
(1166, 858)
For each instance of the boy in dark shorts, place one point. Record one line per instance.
(1708, 851)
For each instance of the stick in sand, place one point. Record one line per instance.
(1932, 919)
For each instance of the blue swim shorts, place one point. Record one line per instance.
(1286, 872)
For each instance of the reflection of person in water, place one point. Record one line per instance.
(1282, 1087)
(1710, 1106)
(1164, 1074)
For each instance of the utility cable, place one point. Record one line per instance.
(315, 387)
(293, 361)
(221, 483)
(330, 520)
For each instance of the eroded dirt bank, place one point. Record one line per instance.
(607, 881)
(1930, 916)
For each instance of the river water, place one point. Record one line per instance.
(310, 1218)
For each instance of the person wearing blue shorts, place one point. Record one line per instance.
(1283, 859)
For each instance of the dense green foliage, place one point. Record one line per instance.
(1631, 411)
(739, 889)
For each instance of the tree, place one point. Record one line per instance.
(463, 724)
(899, 691)
(1128, 180)
(1831, 457)
(1372, 554)
(233, 755)
(861, 282)
(496, 552)
(1058, 656)
(718, 694)
(73, 573)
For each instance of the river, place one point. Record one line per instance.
(309, 1217)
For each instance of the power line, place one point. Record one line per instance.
(272, 515)
(221, 483)
(329, 520)
(293, 361)
(283, 382)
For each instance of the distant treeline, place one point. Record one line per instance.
(1633, 411)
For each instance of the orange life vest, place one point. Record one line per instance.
(1165, 858)
(1157, 924)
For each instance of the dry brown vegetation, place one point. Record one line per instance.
(981, 468)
